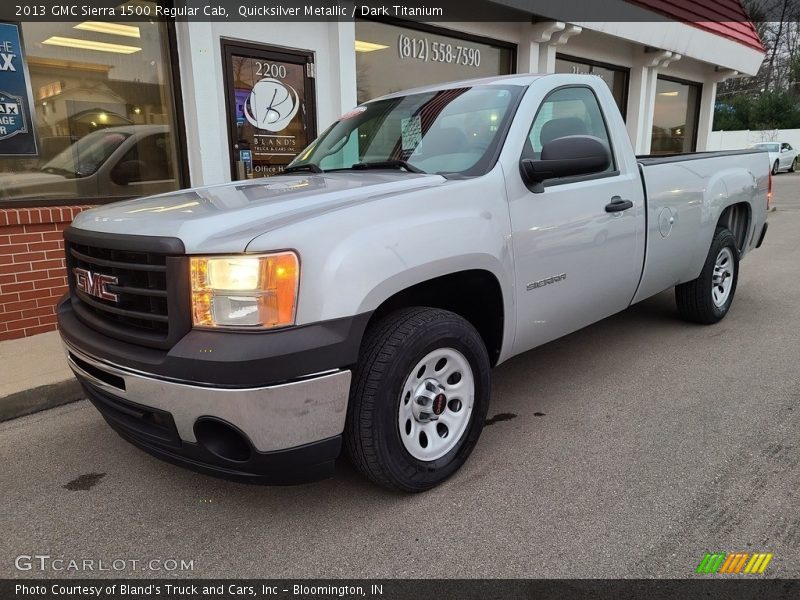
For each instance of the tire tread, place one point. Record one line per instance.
(693, 299)
(382, 344)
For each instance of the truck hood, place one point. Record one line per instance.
(15, 185)
(226, 217)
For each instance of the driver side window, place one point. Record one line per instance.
(567, 111)
(150, 157)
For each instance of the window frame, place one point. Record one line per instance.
(614, 172)
(604, 65)
(181, 169)
(699, 87)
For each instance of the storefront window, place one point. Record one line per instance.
(97, 120)
(615, 77)
(391, 58)
(675, 116)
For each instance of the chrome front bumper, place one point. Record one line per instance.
(274, 417)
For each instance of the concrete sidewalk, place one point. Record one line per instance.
(35, 376)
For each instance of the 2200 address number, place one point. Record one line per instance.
(426, 50)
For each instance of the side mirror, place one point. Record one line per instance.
(127, 172)
(566, 157)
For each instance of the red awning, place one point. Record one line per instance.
(726, 18)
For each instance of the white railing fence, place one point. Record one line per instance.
(734, 140)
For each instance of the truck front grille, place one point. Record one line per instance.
(144, 301)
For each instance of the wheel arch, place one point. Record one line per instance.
(737, 218)
(474, 294)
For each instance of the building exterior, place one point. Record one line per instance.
(119, 110)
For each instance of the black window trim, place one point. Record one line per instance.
(179, 136)
(578, 178)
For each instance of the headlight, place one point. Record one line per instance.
(245, 291)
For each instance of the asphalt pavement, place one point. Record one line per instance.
(627, 449)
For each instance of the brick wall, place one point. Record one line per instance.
(32, 274)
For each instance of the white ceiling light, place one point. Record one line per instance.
(368, 46)
(109, 28)
(66, 42)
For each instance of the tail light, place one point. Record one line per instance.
(769, 191)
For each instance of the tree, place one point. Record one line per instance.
(769, 99)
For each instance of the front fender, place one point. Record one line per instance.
(353, 259)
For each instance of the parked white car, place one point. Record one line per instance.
(782, 156)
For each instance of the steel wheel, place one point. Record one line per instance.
(722, 279)
(436, 404)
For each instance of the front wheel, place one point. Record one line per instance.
(776, 167)
(708, 298)
(793, 166)
(418, 400)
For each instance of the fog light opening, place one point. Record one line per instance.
(222, 439)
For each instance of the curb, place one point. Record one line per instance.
(39, 398)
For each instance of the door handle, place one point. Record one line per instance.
(617, 204)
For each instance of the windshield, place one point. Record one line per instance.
(455, 131)
(86, 155)
(769, 147)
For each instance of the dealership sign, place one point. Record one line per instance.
(17, 135)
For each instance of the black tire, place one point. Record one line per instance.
(694, 298)
(775, 168)
(793, 166)
(391, 349)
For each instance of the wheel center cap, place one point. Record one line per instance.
(429, 401)
(439, 403)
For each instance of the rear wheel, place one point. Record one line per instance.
(776, 167)
(418, 400)
(708, 298)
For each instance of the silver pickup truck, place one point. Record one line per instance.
(360, 299)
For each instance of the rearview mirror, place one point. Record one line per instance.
(567, 157)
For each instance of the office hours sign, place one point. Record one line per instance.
(270, 104)
(17, 134)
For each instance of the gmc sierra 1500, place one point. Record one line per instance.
(250, 329)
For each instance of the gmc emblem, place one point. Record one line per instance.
(95, 284)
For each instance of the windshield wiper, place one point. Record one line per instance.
(59, 171)
(306, 167)
(388, 164)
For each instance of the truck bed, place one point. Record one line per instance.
(686, 196)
